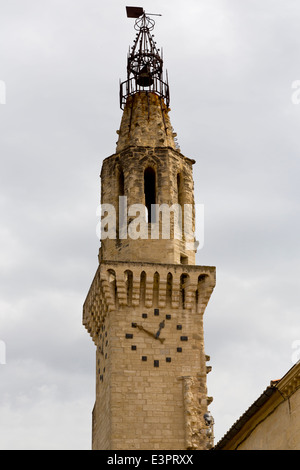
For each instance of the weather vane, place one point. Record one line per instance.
(136, 12)
(144, 63)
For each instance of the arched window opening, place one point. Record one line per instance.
(169, 290)
(129, 286)
(112, 283)
(150, 192)
(180, 190)
(142, 288)
(155, 289)
(121, 183)
(200, 287)
(184, 279)
(180, 201)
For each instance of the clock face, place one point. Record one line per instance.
(156, 327)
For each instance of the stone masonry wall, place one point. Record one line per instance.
(167, 164)
(143, 404)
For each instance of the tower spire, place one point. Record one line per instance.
(145, 96)
(144, 62)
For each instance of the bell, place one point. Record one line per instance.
(145, 78)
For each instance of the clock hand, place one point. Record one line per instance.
(161, 325)
(140, 327)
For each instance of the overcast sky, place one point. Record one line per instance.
(231, 66)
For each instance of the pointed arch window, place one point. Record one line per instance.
(169, 289)
(202, 279)
(180, 191)
(128, 277)
(155, 289)
(142, 288)
(184, 281)
(180, 201)
(150, 192)
(112, 283)
(121, 183)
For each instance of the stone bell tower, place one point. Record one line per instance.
(145, 307)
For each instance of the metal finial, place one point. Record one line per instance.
(145, 64)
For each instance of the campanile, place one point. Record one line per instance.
(145, 307)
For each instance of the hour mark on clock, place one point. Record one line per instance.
(184, 338)
(179, 327)
(128, 336)
(133, 347)
(156, 312)
(168, 359)
(144, 358)
(156, 363)
(168, 317)
(179, 349)
(144, 315)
